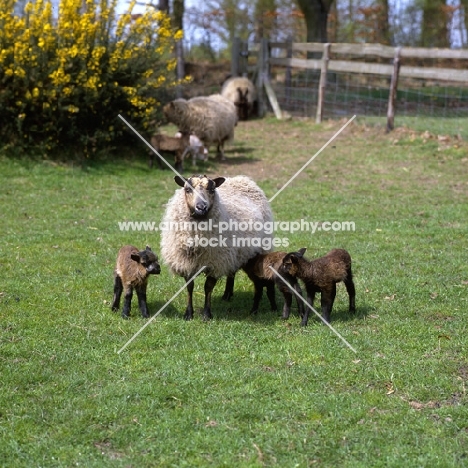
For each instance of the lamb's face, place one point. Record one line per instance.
(149, 260)
(200, 192)
(290, 266)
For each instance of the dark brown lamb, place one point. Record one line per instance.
(259, 271)
(131, 272)
(321, 275)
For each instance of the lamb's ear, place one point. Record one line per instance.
(294, 257)
(136, 257)
(148, 248)
(179, 180)
(301, 252)
(219, 181)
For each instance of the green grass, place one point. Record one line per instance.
(241, 390)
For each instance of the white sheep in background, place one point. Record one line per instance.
(210, 118)
(187, 243)
(243, 93)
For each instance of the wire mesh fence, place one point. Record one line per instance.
(367, 95)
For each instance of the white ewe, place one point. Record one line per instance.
(242, 92)
(210, 118)
(216, 223)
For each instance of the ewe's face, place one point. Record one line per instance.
(200, 192)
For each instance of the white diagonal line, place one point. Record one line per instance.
(312, 158)
(160, 157)
(313, 310)
(161, 309)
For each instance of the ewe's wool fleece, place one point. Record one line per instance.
(229, 89)
(211, 119)
(238, 198)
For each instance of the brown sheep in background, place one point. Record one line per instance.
(321, 275)
(131, 272)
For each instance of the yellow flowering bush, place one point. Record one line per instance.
(66, 76)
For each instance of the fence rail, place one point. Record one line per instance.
(258, 58)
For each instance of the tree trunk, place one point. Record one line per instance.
(164, 6)
(265, 19)
(178, 23)
(434, 31)
(464, 4)
(383, 23)
(316, 17)
(178, 14)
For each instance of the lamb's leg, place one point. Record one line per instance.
(310, 301)
(327, 299)
(209, 285)
(118, 288)
(271, 295)
(189, 310)
(287, 295)
(287, 304)
(300, 304)
(229, 289)
(127, 302)
(258, 288)
(351, 291)
(179, 160)
(141, 294)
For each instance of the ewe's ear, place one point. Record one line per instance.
(301, 252)
(179, 180)
(135, 257)
(219, 181)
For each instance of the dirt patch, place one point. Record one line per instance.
(105, 447)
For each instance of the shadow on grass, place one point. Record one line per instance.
(238, 310)
(118, 160)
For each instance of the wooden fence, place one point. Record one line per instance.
(256, 59)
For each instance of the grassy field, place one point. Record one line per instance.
(241, 390)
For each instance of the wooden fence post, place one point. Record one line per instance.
(263, 71)
(393, 90)
(288, 77)
(323, 82)
(235, 56)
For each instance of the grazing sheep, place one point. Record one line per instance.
(259, 271)
(242, 92)
(203, 226)
(181, 145)
(131, 272)
(321, 275)
(211, 118)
